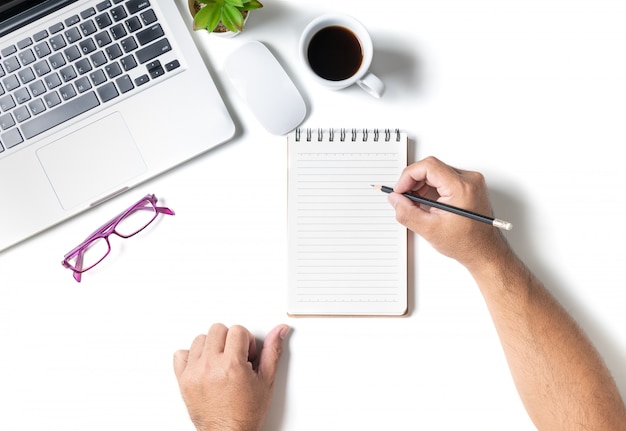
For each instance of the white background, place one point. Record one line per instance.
(531, 93)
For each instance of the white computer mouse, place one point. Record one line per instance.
(263, 83)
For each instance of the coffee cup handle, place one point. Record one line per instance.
(372, 84)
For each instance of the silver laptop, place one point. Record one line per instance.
(95, 97)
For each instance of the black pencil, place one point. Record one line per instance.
(474, 216)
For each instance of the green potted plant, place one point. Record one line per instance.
(221, 16)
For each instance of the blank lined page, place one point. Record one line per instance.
(347, 253)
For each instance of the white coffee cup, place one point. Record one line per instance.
(331, 47)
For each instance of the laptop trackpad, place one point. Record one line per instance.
(101, 157)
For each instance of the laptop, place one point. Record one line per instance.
(95, 98)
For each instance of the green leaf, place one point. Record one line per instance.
(236, 3)
(252, 5)
(208, 17)
(232, 18)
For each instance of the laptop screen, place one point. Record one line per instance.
(17, 13)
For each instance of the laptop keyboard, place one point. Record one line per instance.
(84, 61)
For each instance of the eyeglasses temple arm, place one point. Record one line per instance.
(78, 266)
(164, 210)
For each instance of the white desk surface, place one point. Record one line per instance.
(531, 93)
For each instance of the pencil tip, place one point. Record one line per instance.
(375, 186)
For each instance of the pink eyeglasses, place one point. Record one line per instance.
(96, 247)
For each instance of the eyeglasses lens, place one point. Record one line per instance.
(89, 256)
(136, 220)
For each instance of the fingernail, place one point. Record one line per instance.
(284, 331)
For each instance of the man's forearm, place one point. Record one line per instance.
(559, 375)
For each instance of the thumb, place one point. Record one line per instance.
(272, 351)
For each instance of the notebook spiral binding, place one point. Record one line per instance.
(355, 134)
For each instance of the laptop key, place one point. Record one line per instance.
(128, 62)
(11, 64)
(72, 35)
(67, 92)
(152, 51)
(12, 138)
(103, 20)
(135, 6)
(129, 44)
(148, 17)
(103, 39)
(57, 60)
(52, 81)
(52, 99)
(37, 88)
(118, 13)
(40, 35)
(21, 114)
(83, 66)
(148, 35)
(124, 83)
(87, 46)
(72, 53)
(41, 68)
(87, 13)
(113, 70)
(60, 114)
(88, 27)
(42, 49)
(103, 5)
(118, 31)
(108, 92)
(72, 20)
(57, 42)
(24, 43)
(133, 24)
(11, 82)
(22, 95)
(27, 57)
(141, 80)
(7, 121)
(175, 64)
(26, 75)
(7, 102)
(37, 106)
(11, 49)
(98, 77)
(55, 28)
(82, 84)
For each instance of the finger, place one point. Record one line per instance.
(430, 171)
(409, 214)
(197, 346)
(240, 343)
(271, 352)
(180, 362)
(215, 339)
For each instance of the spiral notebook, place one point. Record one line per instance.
(347, 253)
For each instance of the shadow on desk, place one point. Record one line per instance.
(276, 414)
(401, 70)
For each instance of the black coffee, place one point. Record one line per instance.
(335, 53)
